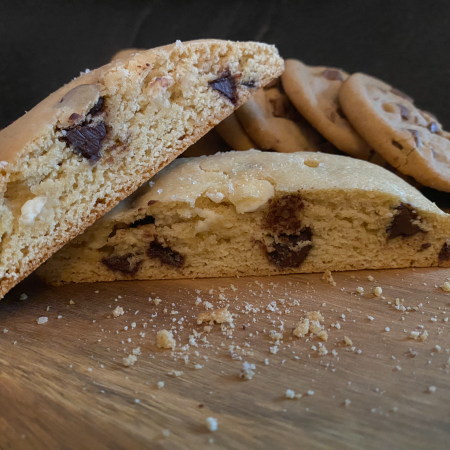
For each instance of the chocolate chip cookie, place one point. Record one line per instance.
(94, 141)
(314, 92)
(409, 139)
(273, 123)
(259, 213)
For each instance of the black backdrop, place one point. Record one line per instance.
(44, 44)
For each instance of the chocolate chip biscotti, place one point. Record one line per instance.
(255, 213)
(94, 141)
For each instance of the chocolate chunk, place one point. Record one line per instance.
(416, 137)
(444, 254)
(332, 75)
(97, 107)
(425, 246)
(226, 85)
(165, 254)
(282, 216)
(87, 140)
(403, 222)
(397, 144)
(74, 117)
(286, 253)
(433, 127)
(123, 263)
(404, 111)
(148, 220)
(402, 95)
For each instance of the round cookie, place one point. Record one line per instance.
(314, 92)
(232, 132)
(409, 139)
(273, 123)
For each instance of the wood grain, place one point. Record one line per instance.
(63, 384)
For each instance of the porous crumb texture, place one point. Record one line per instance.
(256, 213)
(93, 142)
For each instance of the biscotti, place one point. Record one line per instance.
(256, 213)
(94, 141)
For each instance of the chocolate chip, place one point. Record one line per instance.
(87, 140)
(397, 144)
(425, 246)
(152, 202)
(404, 111)
(433, 127)
(74, 117)
(282, 216)
(148, 220)
(165, 254)
(123, 263)
(402, 95)
(332, 75)
(416, 137)
(226, 85)
(97, 107)
(286, 253)
(403, 222)
(444, 254)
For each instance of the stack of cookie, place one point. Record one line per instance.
(327, 110)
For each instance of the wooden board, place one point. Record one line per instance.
(63, 384)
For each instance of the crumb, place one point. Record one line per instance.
(118, 311)
(290, 394)
(275, 336)
(322, 335)
(157, 301)
(129, 360)
(446, 287)
(438, 348)
(160, 384)
(42, 320)
(414, 335)
(273, 350)
(424, 335)
(314, 315)
(323, 351)
(348, 341)
(198, 366)
(314, 326)
(71, 302)
(23, 297)
(166, 433)
(328, 278)
(302, 328)
(211, 424)
(371, 278)
(387, 329)
(218, 316)
(360, 290)
(347, 402)
(5, 330)
(432, 389)
(248, 371)
(377, 291)
(310, 392)
(175, 373)
(164, 339)
(136, 351)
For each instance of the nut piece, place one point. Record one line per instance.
(164, 339)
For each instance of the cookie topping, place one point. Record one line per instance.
(404, 223)
(402, 95)
(404, 111)
(226, 85)
(289, 252)
(123, 263)
(444, 254)
(86, 140)
(282, 215)
(148, 220)
(165, 254)
(416, 137)
(332, 75)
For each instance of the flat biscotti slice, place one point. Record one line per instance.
(93, 142)
(254, 213)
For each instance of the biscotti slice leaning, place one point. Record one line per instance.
(255, 213)
(93, 142)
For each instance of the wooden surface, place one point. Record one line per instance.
(63, 384)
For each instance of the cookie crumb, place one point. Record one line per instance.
(348, 341)
(164, 339)
(129, 360)
(328, 278)
(377, 291)
(289, 394)
(118, 311)
(310, 392)
(432, 389)
(175, 373)
(323, 335)
(446, 287)
(160, 384)
(248, 371)
(347, 402)
(71, 302)
(360, 290)
(218, 316)
(42, 320)
(302, 328)
(166, 433)
(23, 297)
(211, 423)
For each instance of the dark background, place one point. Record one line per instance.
(44, 44)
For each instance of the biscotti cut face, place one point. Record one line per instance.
(93, 142)
(255, 213)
